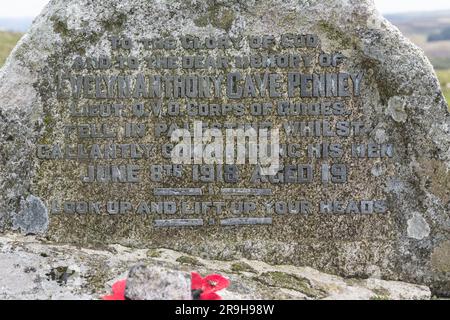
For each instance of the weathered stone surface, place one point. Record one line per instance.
(157, 283)
(418, 227)
(400, 100)
(33, 216)
(34, 269)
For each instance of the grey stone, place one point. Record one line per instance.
(418, 227)
(33, 269)
(396, 109)
(399, 91)
(157, 283)
(32, 217)
(381, 136)
(377, 170)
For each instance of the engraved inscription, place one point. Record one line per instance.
(191, 124)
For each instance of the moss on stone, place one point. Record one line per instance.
(46, 136)
(440, 257)
(290, 281)
(219, 17)
(189, 260)
(153, 253)
(60, 27)
(335, 34)
(378, 297)
(97, 278)
(354, 282)
(114, 24)
(202, 21)
(48, 120)
(225, 21)
(440, 179)
(76, 41)
(381, 292)
(242, 267)
(60, 274)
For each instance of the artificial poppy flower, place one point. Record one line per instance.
(118, 289)
(205, 288)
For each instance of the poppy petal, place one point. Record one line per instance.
(114, 297)
(196, 281)
(118, 289)
(119, 286)
(215, 282)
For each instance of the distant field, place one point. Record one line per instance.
(419, 27)
(7, 42)
(438, 51)
(444, 78)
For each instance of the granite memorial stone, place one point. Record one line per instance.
(153, 124)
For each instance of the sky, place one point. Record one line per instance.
(21, 8)
(395, 6)
(31, 8)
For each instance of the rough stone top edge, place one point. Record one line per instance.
(41, 25)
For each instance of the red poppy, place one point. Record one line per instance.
(205, 288)
(118, 289)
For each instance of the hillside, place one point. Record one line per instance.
(7, 42)
(444, 78)
(429, 30)
(426, 30)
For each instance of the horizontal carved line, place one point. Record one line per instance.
(177, 192)
(246, 192)
(179, 223)
(245, 221)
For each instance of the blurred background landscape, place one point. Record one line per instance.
(430, 30)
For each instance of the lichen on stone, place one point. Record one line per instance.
(189, 260)
(114, 24)
(334, 34)
(60, 26)
(381, 292)
(60, 274)
(242, 267)
(440, 258)
(33, 216)
(153, 253)
(417, 227)
(216, 16)
(290, 281)
(380, 297)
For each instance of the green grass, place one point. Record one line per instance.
(444, 79)
(7, 42)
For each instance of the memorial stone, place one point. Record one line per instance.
(302, 132)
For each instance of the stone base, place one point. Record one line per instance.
(34, 269)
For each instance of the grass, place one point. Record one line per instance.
(444, 78)
(7, 42)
